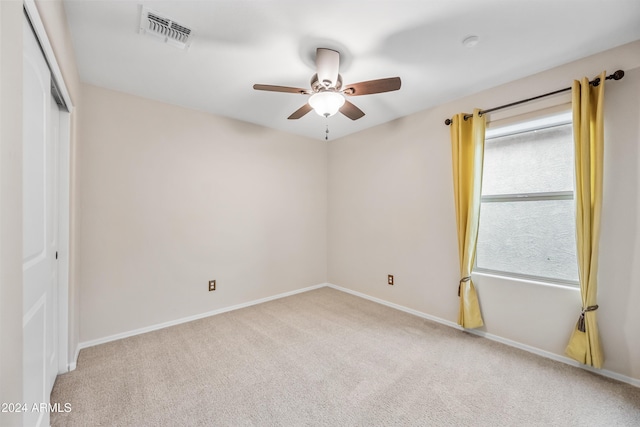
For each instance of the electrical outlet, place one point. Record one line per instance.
(212, 285)
(390, 279)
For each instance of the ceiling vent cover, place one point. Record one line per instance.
(153, 23)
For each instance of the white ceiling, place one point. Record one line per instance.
(237, 43)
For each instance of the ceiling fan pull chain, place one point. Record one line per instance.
(326, 136)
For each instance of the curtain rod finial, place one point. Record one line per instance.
(617, 75)
(448, 122)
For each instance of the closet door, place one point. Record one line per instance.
(39, 190)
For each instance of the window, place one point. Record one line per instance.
(527, 220)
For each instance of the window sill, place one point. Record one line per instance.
(530, 281)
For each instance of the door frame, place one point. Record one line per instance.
(65, 361)
(66, 358)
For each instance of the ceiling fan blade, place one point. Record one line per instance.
(286, 89)
(373, 86)
(327, 66)
(351, 111)
(300, 112)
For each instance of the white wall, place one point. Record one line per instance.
(172, 197)
(391, 211)
(11, 207)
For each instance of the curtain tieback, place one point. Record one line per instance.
(464, 279)
(581, 327)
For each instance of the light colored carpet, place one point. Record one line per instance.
(328, 358)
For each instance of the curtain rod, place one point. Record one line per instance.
(615, 76)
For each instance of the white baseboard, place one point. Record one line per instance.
(74, 363)
(604, 372)
(163, 325)
(547, 354)
(396, 306)
(557, 357)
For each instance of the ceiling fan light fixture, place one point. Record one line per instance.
(326, 103)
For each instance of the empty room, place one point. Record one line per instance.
(339, 213)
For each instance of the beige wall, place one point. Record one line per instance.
(164, 199)
(172, 197)
(10, 207)
(391, 211)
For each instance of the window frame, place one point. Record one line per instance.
(532, 124)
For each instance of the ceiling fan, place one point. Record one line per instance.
(328, 94)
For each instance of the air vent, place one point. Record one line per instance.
(164, 28)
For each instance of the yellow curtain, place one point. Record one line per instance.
(588, 132)
(467, 143)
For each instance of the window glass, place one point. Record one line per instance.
(529, 162)
(527, 213)
(532, 238)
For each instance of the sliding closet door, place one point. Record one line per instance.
(40, 223)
